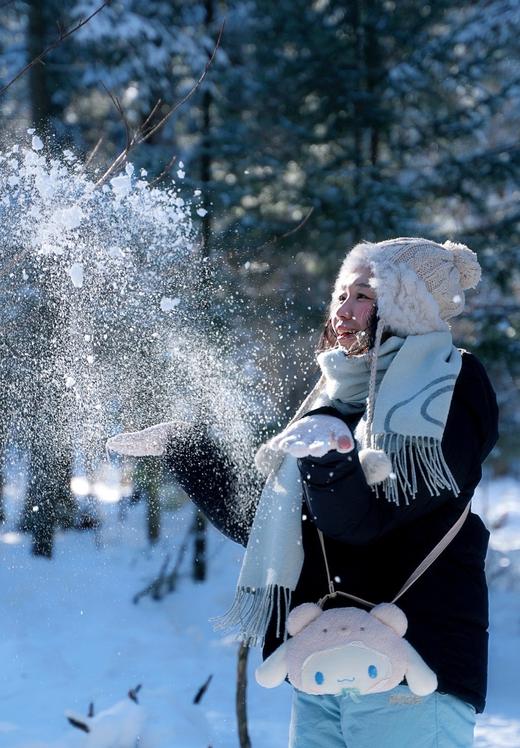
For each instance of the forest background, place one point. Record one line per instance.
(319, 123)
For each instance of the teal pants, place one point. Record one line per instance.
(393, 719)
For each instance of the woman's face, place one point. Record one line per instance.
(353, 308)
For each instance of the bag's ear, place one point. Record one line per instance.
(420, 678)
(272, 671)
(392, 616)
(301, 616)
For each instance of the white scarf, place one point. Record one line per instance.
(416, 377)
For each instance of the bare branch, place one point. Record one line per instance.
(277, 239)
(63, 35)
(164, 172)
(152, 114)
(93, 152)
(119, 108)
(190, 92)
(146, 129)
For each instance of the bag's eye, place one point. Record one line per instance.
(372, 671)
(319, 677)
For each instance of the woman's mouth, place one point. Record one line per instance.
(345, 332)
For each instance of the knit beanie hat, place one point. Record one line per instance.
(419, 283)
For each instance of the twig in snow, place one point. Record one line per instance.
(202, 690)
(76, 723)
(132, 693)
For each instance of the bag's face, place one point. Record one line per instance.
(352, 667)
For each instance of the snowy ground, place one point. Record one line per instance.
(70, 634)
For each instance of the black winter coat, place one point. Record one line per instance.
(373, 545)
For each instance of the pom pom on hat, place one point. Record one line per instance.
(466, 262)
(375, 464)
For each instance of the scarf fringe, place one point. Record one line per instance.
(251, 611)
(410, 456)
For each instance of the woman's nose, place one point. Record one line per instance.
(345, 310)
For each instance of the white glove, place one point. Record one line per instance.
(314, 436)
(150, 441)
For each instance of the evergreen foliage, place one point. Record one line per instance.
(355, 120)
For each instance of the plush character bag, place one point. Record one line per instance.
(351, 651)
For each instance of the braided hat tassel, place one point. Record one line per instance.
(375, 463)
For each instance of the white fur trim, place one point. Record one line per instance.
(375, 464)
(403, 301)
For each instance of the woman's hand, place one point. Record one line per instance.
(150, 441)
(314, 436)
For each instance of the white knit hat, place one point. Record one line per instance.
(419, 283)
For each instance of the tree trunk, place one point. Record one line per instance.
(206, 156)
(39, 517)
(373, 73)
(2, 508)
(357, 27)
(38, 84)
(148, 478)
(64, 502)
(153, 513)
(199, 547)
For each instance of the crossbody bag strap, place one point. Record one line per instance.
(434, 553)
(419, 571)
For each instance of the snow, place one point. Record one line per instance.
(71, 635)
(117, 727)
(37, 143)
(69, 218)
(167, 303)
(76, 274)
(121, 185)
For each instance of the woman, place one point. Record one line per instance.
(387, 451)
